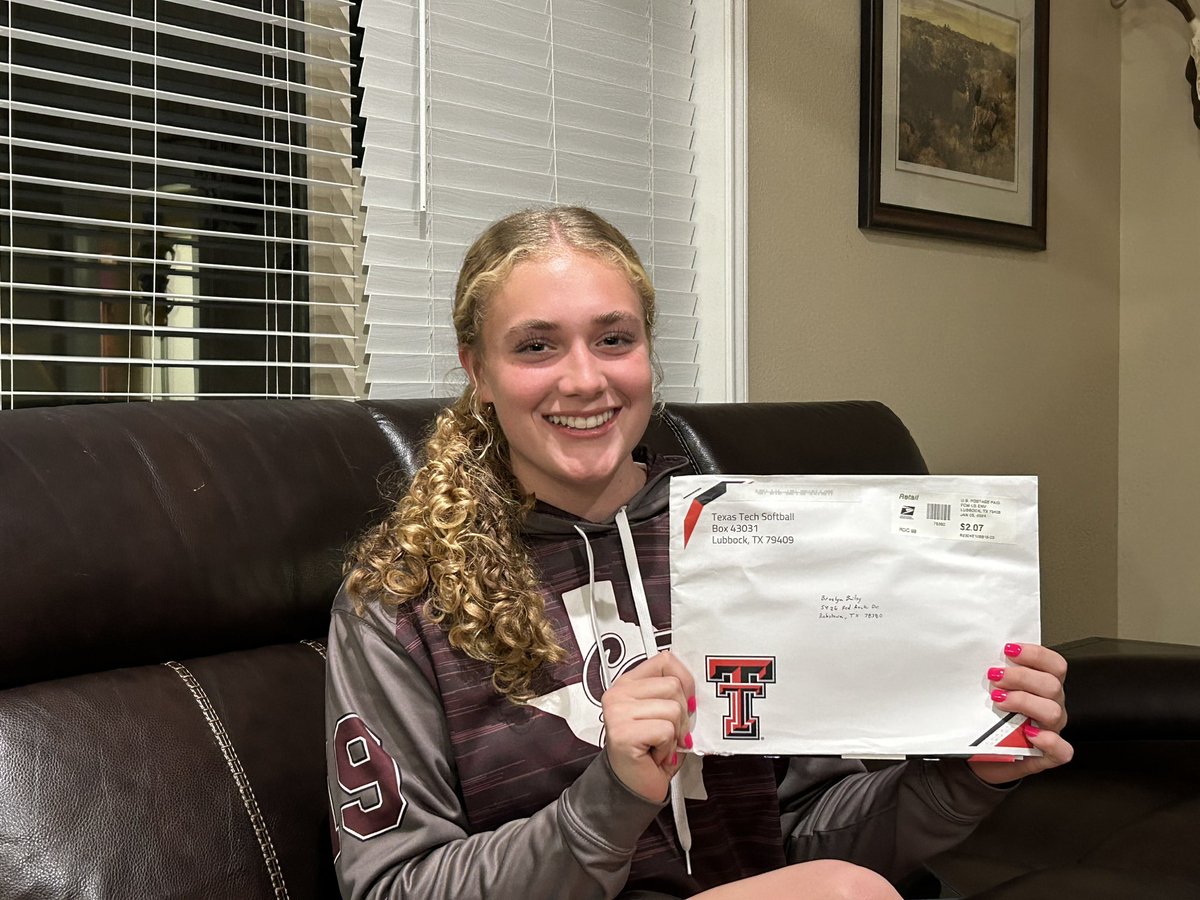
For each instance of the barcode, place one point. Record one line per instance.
(939, 512)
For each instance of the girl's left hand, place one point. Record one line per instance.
(1031, 684)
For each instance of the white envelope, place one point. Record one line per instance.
(852, 615)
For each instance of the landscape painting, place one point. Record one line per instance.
(953, 119)
(957, 91)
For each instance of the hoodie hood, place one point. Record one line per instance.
(545, 520)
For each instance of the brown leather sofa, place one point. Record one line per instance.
(167, 574)
(1122, 821)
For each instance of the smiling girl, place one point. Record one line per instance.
(504, 716)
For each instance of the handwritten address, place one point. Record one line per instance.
(848, 607)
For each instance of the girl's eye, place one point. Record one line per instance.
(532, 346)
(617, 339)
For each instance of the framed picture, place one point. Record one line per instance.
(953, 139)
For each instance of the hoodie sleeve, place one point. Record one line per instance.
(400, 827)
(890, 820)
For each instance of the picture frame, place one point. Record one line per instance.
(954, 119)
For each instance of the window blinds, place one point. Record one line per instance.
(527, 102)
(176, 218)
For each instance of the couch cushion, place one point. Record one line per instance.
(1145, 845)
(192, 779)
(853, 437)
(135, 532)
(1084, 882)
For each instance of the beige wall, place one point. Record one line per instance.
(1159, 560)
(999, 361)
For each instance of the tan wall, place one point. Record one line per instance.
(1159, 560)
(999, 361)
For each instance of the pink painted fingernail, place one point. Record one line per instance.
(999, 696)
(692, 704)
(674, 759)
(1031, 730)
(995, 673)
(1012, 649)
(687, 741)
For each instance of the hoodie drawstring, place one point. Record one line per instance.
(591, 608)
(649, 646)
(649, 643)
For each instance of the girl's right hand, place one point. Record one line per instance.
(647, 722)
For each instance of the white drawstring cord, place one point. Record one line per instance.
(682, 826)
(591, 604)
(645, 625)
(650, 646)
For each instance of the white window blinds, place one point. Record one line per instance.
(527, 102)
(175, 182)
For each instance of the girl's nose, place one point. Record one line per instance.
(582, 374)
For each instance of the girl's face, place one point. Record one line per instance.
(564, 357)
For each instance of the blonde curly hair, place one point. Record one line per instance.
(454, 538)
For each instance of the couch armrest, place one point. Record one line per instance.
(1125, 811)
(1132, 690)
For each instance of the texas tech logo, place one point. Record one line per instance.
(740, 679)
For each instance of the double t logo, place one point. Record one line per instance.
(741, 679)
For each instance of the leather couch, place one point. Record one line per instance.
(1122, 820)
(167, 574)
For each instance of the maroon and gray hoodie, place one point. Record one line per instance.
(440, 787)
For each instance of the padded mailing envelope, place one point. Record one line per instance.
(852, 615)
